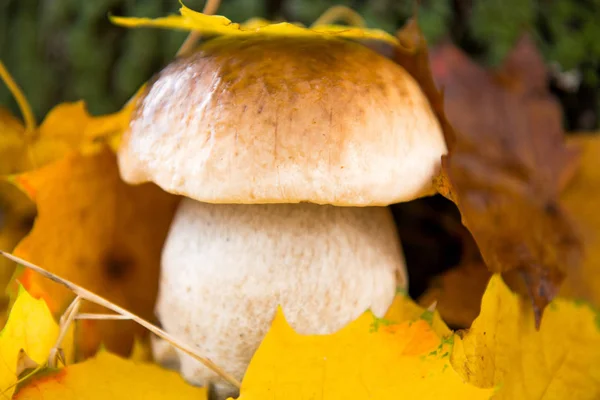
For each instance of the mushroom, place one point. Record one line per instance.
(287, 152)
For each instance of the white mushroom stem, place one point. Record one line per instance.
(226, 268)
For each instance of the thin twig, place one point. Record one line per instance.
(94, 298)
(210, 8)
(192, 38)
(65, 322)
(432, 307)
(89, 316)
(24, 107)
(20, 98)
(69, 310)
(340, 13)
(189, 43)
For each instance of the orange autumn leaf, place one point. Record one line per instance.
(66, 127)
(100, 233)
(13, 147)
(69, 126)
(23, 147)
(17, 213)
(506, 163)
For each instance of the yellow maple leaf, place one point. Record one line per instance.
(100, 233)
(141, 350)
(30, 329)
(582, 198)
(503, 348)
(107, 376)
(501, 357)
(217, 25)
(369, 358)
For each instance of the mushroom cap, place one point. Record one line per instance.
(260, 120)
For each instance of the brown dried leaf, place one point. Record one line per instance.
(507, 160)
(414, 57)
(458, 293)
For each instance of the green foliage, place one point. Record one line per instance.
(566, 30)
(499, 23)
(574, 31)
(433, 15)
(241, 10)
(65, 50)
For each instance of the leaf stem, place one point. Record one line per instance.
(190, 41)
(65, 322)
(210, 8)
(15, 90)
(340, 13)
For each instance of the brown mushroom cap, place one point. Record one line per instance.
(284, 120)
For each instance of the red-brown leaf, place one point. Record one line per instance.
(507, 160)
(506, 167)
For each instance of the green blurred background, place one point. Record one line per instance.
(65, 50)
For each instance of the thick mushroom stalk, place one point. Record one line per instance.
(226, 268)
